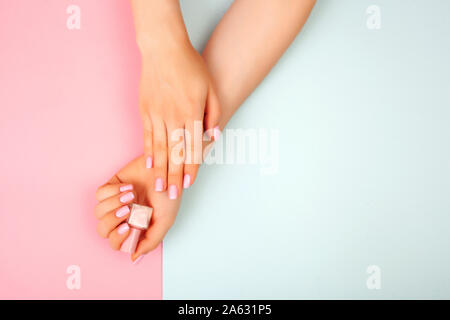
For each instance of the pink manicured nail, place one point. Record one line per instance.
(138, 259)
(173, 192)
(186, 181)
(128, 187)
(216, 133)
(149, 162)
(123, 228)
(122, 211)
(159, 185)
(127, 197)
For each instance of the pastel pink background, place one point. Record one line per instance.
(68, 121)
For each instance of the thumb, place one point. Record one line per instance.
(153, 237)
(212, 114)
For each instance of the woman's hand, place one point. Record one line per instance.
(177, 99)
(130, 185)
(177, 104)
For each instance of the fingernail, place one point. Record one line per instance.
(127, 197)
(128, 187)
(159, 185)
(138, 259)
(122, 211)
(149, 162)
(216, 133)
(186, 181)
(123, 228)
(173, 192)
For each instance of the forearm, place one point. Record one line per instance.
(247, 43)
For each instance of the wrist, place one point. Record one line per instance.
(162, 41)
(159, 25)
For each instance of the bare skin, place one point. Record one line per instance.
(175, 92)
(238, 57)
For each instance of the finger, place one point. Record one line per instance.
(176, 160)
(148, 136)
(118, 236)
(160, 155)
(212, 114)
(148, 147)
(193, 137)
(153, 237)
(113, 203)
(111, 220)
(108, 190)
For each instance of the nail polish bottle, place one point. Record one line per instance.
(138, 221)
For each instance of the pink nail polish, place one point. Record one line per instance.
(159, 185)
(128, 187)
(138, 259)
(216, 133)
(149, 162)
(127, 197)
(139, 220)
(123, 228)
(173, 192)
(122, 212)
(186, 181)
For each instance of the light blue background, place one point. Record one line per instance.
(364, 176)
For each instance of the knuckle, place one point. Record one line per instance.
(148, 134)
(160, 146)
